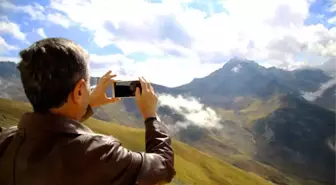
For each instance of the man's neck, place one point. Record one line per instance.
(63, 111)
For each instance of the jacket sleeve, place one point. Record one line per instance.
(157, 164)
(118, 165)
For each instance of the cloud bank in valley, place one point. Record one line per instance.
(312, 96)
(194, 112)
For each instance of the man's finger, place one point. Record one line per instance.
(143, 84)
(111, 76)
(108, 77)
(137, 93)
(151, 87)
(107, 73)
(102, 78)
(146, 84)
(108, 82)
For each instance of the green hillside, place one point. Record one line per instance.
(193, 167)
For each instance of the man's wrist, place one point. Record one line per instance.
(91, 103)
(155, 117)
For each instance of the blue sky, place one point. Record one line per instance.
(171, 42)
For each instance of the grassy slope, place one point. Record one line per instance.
(193, 166)
(251, 111)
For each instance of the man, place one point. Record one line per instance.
(51, 146)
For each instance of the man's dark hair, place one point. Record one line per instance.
(50, 69)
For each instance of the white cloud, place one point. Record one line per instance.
(332, 20)
(37, 12)
(192, 110)
(5, 47)
(312, 96)
(188, 42)
(170, 71)
(7, 27)
(274, 31)
(333, 6)
(41, 32)
(58, 18)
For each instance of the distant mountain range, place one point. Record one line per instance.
(238, 78)
(247, 78)
(264, 113)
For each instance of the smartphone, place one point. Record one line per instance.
(126, 89)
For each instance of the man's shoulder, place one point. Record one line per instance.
(94, 139)
(100, 138)
(90, 149)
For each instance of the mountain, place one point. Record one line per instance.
(265, 123)
(260, 104)
(329, 66)
(8, 69)
(247, 78)
(286, 132)
(10, 85)
(11, 88)
(236, 78)
(325, 96)
(295, 138)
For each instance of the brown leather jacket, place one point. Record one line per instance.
(52, 150)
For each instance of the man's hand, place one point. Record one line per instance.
(98, 96)
(147, 100)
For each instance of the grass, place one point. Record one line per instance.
(193, 167)
(266, 172)
(259, 109)
(253, 110)
(227, 114)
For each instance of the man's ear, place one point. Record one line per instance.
(77, 93)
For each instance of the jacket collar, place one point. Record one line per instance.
(37, 122)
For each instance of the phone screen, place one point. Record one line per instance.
(126, 88)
